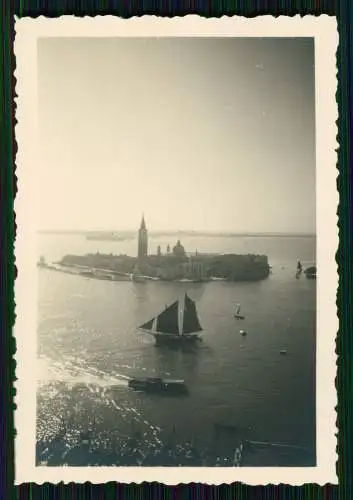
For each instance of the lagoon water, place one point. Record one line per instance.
(88, 346)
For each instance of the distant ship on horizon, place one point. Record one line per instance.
(107, 236)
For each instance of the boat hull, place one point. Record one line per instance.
(238, 316)
(177, 340)
(310, 273)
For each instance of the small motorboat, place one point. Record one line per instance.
(158, 385)
(283, 351)
(242, 332)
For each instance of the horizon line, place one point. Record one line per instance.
(176, 231)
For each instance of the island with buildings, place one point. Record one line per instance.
(173, 264)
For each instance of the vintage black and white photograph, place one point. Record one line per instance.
(176, 252)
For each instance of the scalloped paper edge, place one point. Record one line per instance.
(324, 30)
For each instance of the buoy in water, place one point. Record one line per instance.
(242, 332)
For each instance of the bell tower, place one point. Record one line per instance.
(142, 250)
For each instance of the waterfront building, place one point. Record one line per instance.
(142, 250)
(196, 268)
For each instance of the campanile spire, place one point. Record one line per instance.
(143, 223)
(142, 250)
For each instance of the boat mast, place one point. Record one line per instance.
(181, 315)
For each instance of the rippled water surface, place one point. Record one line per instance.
(88, 347)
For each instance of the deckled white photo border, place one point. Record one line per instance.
(324, 30)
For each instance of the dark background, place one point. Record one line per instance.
(124, 8)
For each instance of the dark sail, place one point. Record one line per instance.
(148, 325)
(191, 322)
(167, 321)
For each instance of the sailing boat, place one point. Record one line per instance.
(237, 314)
(177, 324)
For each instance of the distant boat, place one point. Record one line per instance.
(42, 262)
(299, 269)
(237, 314)
(283, 351)
(159, 385)
(310, 272)
(242, 332)
(107, 237)
(178, 324)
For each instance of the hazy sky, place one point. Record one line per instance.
(197, 133)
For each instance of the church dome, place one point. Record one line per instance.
(179, 250)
